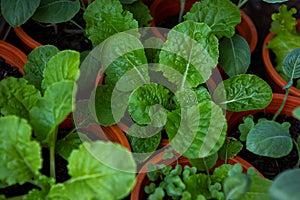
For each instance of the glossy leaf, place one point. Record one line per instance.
(55, 11)
(189, 54)
(236, 186)
(234, 55)
(37, 61)
(291, 64)
(20, 158)
(193, 131)
(243, 92)
(17, 97)
(142, 99)
(62, 66)
(140, 12)
(107, 171)
(269, 138)
(198, 184)
(17, 12)
(106, 18)
(56, 104)
(188, 97)
(221, 15)
(286, 185)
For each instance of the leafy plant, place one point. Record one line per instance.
(284, 26)
(184, 181)
(33, 107)
(268, 137)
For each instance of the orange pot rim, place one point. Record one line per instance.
(12, 55)
(271, 69)
(26, 39)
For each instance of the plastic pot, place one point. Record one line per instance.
(13, 56)
(142, 180)
(273, 76)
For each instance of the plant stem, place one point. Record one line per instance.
(182, 6)
(282, 104)
(206, 168)
(52, 153)
(297, 147)
(80, 27)
(241, 3)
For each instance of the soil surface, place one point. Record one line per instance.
(6, 70)
(271, 167)
(63, 35)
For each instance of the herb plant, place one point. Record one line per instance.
(268, 137)
(33, 107)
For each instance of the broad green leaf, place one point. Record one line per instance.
(230, 149)
(246, 127)
(221, 173)
(221, 15)
(140, 12)
(296, 113)
(189, 54)
(283, 21)
(243, 92)
(17, 12)
(105, 18)
(193, 131)
(236, 186)
(158, 115)
(55, 11)
(20, 158)
(98, 170)
(188, 97)
(56, 104)
(259, 188)
(17, 97)
(269, 138)
(234, 55)
(291, 64)
(205, 163)
(198, 184)
(286, 185)
(144, 145)
(37, 61)
(62, 66)
(66, 145)
(143, 98)
(110, 104)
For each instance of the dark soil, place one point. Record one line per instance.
(271, 167)
(6, 70)
(65, 36)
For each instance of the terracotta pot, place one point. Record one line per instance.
(235, 118)
(110, 133)
(29, 42)
(274, 77)
(142, 180)
(13, 56)
(162, 9)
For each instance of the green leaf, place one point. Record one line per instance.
(269, 138)
(189, 54)
(275, 1)
(144, 145)
(283, 21)
(105, 18)
(230, 149)
(188, 97)
(286, 185)
(291, 64)
(82, 115)
(246, 127)
(20, 158)
(17, 97)
(158, 116)
(107, 171)
(259, 188)
(143, 98)
(193, 131)
(62, 66)
(16, 12)
(296, 113)
(55, 11)
(66, 145)
(56, 104)
(198, 184)
(234, 55)
(37, 60)
(205, 163)
(221, 15)
(221, 173)
(110, 104)
(140, 12)
(236, 186)
(127, 1)
(243, 92)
